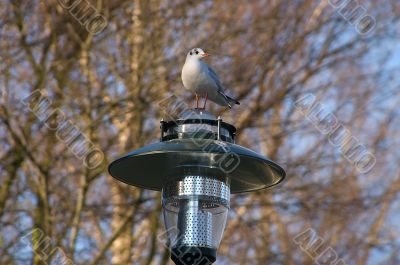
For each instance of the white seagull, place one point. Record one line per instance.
(198, 77)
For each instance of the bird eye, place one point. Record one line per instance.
(190, 53)
(197, 52)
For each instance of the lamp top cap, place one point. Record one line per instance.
(197, 114)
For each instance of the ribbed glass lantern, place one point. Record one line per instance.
(198, 207)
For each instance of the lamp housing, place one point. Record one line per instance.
(197, 166)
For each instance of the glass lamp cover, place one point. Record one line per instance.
(195, 211)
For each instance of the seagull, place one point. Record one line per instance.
(198, 77)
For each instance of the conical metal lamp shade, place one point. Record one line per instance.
(151, 167)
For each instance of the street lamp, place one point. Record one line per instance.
(196, 165)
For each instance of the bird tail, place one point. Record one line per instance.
(232, 101)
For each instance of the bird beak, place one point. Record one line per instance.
(205, 55)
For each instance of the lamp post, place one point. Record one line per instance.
(196, 165)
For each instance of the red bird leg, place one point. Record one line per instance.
(197, 101)
(205, 101)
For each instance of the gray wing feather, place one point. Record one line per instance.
(214, 77)
(220, 87)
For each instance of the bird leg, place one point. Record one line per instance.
(197, 101)
(205, 101)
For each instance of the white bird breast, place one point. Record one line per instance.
(195, 77)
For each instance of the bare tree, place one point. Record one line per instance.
(67, 75)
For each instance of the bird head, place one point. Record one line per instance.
(196, 53)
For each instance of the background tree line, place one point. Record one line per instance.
(269, 55)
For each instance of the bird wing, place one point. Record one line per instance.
(220, 87)
(215, 77)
